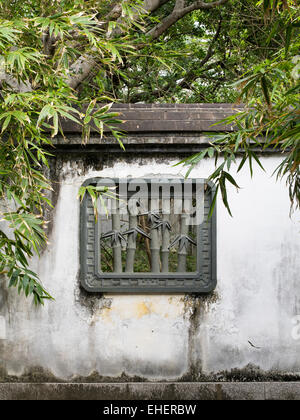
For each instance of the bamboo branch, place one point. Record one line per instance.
(84, 65)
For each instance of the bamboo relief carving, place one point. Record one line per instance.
(154, 240)
(132, 233)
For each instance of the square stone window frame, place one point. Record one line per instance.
(139, 283)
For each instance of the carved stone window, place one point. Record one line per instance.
(155, 237)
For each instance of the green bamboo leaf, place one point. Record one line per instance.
(255, 157)
(6, 123)
(265, 89)
(230, 179)
(288, 37)
(14, 278)
(213, 204)
(224, 193)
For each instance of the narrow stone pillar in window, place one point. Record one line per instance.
(116, 242)
(155, 243)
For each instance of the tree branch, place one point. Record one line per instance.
(178, 13)
(205, 6)
(11, 81)
(85, 64)
(152, 5)
(191, 76)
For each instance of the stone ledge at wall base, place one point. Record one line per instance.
(152, 391)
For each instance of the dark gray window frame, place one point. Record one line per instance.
(93, 281)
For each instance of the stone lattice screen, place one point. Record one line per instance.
(155, 237)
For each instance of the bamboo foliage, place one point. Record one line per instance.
(269, 120)
(37, 49)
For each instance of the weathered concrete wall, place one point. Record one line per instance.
(164, 337)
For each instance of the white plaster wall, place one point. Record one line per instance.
(258, 295)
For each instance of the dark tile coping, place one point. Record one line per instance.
(179, 118)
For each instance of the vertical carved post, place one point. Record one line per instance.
(131, 244)
(117, 246)
(182, 251)
(143, 222)
(165, 236)
(155, 245)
